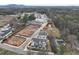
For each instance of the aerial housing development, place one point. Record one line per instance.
(29, 34)
(39, 30)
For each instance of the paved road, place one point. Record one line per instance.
(21, 51)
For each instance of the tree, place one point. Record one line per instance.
(72, 41)
(28, 18)
(62, 49)
(31, 17)
(25, 18)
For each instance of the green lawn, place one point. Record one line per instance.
(6, 52)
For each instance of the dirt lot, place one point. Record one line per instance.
(28, 31)
(15, 41)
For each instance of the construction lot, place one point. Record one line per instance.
(20, 40)
(15, 41)
(20, 37)
(28, 31)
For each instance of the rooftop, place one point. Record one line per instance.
(42, 32)
(5, 30)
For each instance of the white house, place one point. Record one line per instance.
(40, 20)
(41, 17)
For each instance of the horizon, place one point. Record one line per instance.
(39, 5)
(41, 2)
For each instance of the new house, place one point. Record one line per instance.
(40, 42)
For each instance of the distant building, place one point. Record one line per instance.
(33, 22)
(41, 20)
(41, 17)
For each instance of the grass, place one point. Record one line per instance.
(71, 52)
(49, 47)
(54, 32)
(6, 52)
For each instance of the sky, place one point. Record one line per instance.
(42, 2)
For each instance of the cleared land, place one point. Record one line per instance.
(15, 41)
(28, 31)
